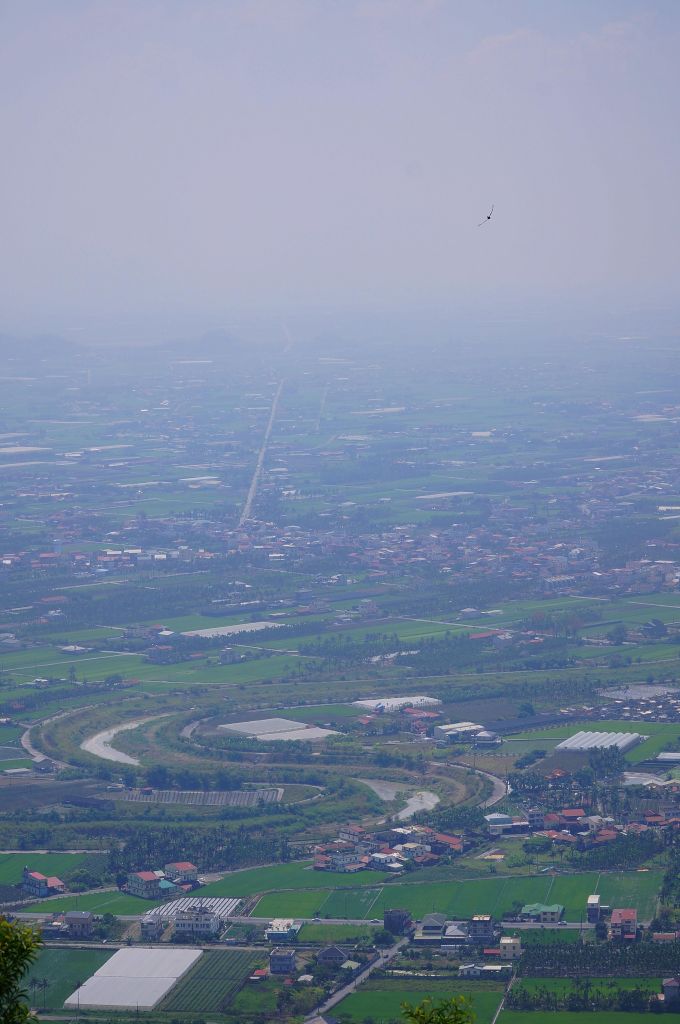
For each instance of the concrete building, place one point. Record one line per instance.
(80, 923)
(182, 871)
(671, 990)
(35, 884)
(536, 818)
(510, 947)
(145, 884)
(455, 731)
(397, 921)
(152, 927)
(197, 920)
(481, 928)
(282, 961)
(282, 929)
(623, 924)
(593, 908)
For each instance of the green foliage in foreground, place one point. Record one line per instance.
(18, 949)
(457, 1010)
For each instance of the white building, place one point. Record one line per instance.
(197, 920)
(457, 731)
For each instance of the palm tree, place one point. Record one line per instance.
(33, 985)
(44, 985)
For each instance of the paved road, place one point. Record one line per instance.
(338, 996)
(252, 491)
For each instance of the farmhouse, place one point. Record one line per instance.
(510, 947)
(79, 923)
(623, 923)
(485, 971)
(282, 961)
(542, 913)
(332, 956)
(430, 930)
(36, 884)
(145, 884)
(181, 871)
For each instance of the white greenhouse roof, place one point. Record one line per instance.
(394, 703)
(592, 740)
(133, 978)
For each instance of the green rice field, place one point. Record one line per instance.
(64, 970)
(59, 864)
(550, 1017)
(495, 895)
(295, 875)
(113, 902)
(381, 999)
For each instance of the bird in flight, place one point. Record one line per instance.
(486, 219)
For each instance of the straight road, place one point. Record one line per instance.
(252, 490)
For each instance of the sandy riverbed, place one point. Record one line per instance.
(100, 744)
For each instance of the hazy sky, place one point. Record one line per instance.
(191, 157)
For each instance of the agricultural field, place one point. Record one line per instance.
(110, 902)
(59, 864)
(64, 970)
(382, 998)
(565, 985)
(297, 875)
(332, 933)
(293, 903)
(461, 899)
(566, 1017)
(212, 982)
(10, 735)
(356, 903)
(661, 735)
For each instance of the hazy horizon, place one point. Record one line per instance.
(176, 164)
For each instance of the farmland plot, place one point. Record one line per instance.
(212, 982)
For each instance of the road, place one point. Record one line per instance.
(502, 1002)
(252, 490)
(338, 996)
(38, 755)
